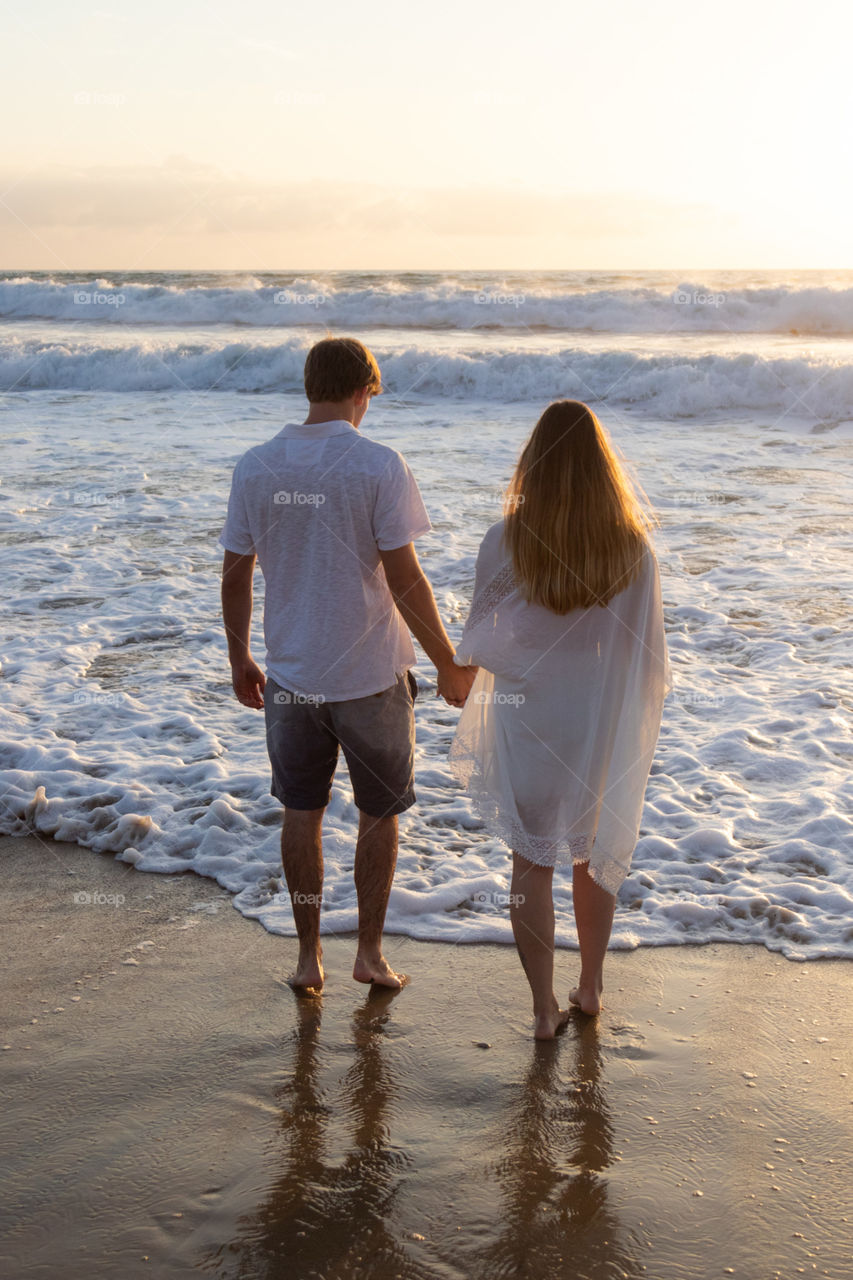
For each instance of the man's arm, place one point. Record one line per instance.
(246, 676)
(413, 597)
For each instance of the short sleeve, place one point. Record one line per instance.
(490, 557)
(399, 515)
(494, 580)
(236, 535)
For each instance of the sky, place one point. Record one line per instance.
(459, 135)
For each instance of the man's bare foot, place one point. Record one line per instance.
(309, 973)
(377, 970)
(550, 1023)
(588, 999)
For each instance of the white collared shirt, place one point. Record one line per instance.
(316, 504)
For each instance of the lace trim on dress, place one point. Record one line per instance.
(501, 586)
(606, 871)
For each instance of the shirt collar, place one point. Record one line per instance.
(316, 430)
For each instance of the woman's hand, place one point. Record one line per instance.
(454, 683)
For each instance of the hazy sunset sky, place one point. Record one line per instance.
(456, 135)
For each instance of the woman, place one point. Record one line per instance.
(556, 739)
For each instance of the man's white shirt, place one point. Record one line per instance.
(316, 504)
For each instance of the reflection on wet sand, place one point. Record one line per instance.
(327, 1216)
(555, 1216)
(362, 1159)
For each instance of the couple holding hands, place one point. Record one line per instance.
(561, 671)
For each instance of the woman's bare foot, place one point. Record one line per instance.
(309, 972)
(550, 1023)
(588, 999)
(377, 969)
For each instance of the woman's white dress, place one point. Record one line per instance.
(556, 740)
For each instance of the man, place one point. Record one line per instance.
(331, 517)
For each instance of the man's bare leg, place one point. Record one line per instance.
(375, 860)
(594, 909)
(532, 914)
(302, 859)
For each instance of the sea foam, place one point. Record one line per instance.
(547, 302)
(677, 385)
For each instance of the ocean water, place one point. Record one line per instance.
(126, 400)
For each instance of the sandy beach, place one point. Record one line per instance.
(340, 344)
(170, 1107)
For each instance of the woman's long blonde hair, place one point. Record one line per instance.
(574, 524)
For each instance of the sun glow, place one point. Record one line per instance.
(615, 135)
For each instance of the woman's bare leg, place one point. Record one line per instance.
(531, 911)
(594, 908)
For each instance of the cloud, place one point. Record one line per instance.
(183, 206)
(143, 197)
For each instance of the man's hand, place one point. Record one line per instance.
(246, 676)
(248, 681)
(413, 597)
(454, 683)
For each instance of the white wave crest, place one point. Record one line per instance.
(667, 385)
(691, 307)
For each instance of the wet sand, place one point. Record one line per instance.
(170, 1107)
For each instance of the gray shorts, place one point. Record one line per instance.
(377, 734)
